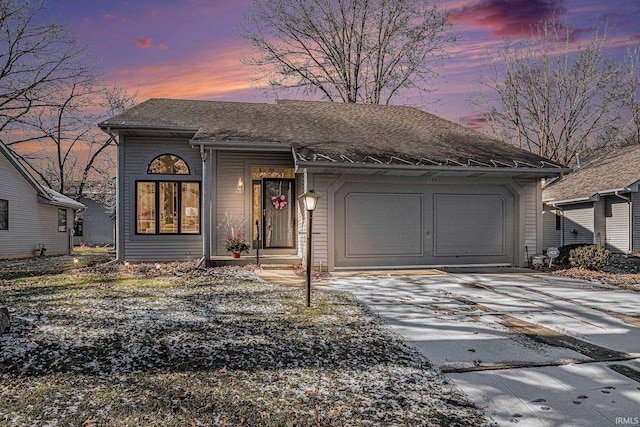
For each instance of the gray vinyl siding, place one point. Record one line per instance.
(617, 222)
(98, 225)
(551, 236)
(578, 224)
(229, 166)
(532, 218)
(137, 153)
(30, 223)
(635, 222)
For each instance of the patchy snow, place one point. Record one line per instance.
(214, 347)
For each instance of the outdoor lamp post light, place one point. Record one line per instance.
(76, 261)
(310, 202)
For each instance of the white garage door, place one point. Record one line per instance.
(392, 225)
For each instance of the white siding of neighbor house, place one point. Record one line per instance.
(30, 223)
(229, 166)
(600, 224)
(551, 236)
(617, 223)
(578, 224)
(135, 155)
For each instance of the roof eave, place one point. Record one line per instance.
(108, 127)
(574, 201)
(538, 172)
(633, 188)
(243, 145)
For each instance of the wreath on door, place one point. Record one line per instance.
(279, 202)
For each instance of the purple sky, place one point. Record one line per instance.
(190, 48)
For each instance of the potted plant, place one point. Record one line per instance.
(234, 240)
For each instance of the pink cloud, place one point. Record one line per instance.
(508, 17)
(111, 17)
(153, 14)
(475, 121)
(142, 43)
(162, 46)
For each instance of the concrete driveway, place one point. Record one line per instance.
(532, 350)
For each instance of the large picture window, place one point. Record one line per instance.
(4, 214)
(167, 207)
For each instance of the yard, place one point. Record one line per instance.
(140, 345)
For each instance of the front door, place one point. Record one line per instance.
(278, 213)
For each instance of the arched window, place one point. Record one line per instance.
(168, 164)
(164, 206)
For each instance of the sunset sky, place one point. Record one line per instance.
(191, 49)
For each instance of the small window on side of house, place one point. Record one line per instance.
(558, 221)
(4, 214)
(62, 220)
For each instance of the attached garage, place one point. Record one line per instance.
(397, 186)
(424, 225)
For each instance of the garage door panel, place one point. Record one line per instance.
(387, 225)
(469, 224)
(381, 225)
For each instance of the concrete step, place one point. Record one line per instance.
(268, 262)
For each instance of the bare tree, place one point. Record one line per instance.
(51, 99)
(347, 50)
(631, 94)
(34, 56)
(62, 144)
(551, 95)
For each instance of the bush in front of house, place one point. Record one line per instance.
(591, 257)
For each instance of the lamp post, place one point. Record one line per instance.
(310, 201)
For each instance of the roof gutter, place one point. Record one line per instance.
(556, 203)
(242, 145)
(123, 126)
(436, 168)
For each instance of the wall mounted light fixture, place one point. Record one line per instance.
(240, 186)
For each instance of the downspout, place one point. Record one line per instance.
(629, 204)
(206, 206)
(119, 233)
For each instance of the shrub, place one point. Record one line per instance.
(592, 257)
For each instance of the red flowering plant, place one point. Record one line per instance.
(234, 239)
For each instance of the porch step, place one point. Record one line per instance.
(268, 261)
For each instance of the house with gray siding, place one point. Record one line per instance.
(32, 217)
(598, 203)
(96, 225)
(398, 187)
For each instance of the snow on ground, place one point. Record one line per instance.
(147, 346)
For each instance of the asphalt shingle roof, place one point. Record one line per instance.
(613, 171)
(333, 132)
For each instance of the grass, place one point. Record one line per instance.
(121, 347)
(36, 266)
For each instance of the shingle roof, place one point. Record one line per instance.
(333, 132)
(603, 174)
(52, 196)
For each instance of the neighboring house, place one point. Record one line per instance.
(399, 187)
(32, 217)
(596, 204)
(95, 226)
